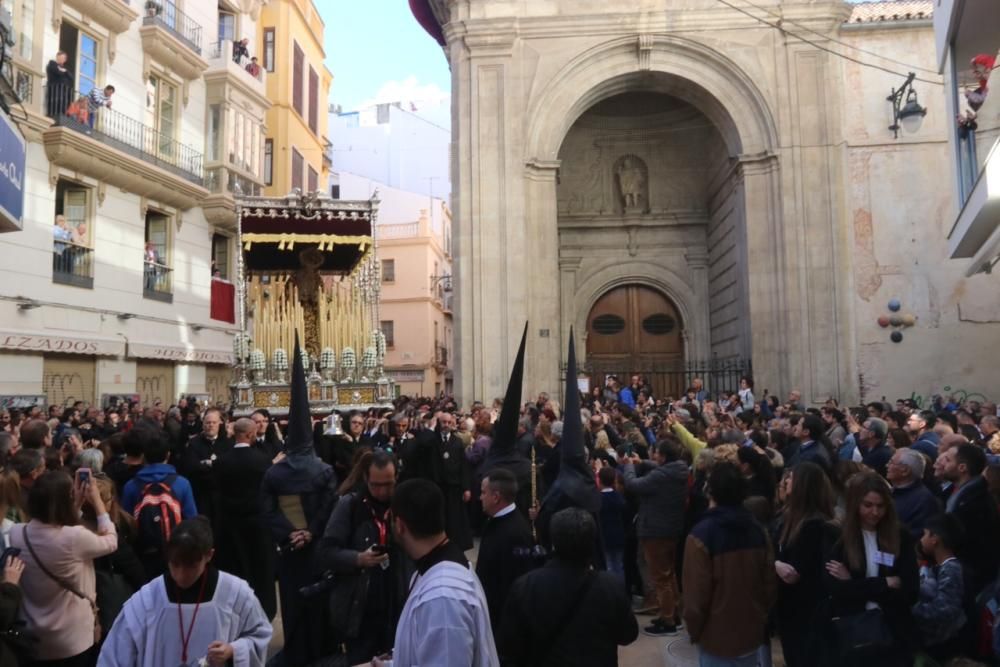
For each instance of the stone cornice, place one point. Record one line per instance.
(114, 15)
(170, 52)
(76, 151)
(227, 77)
(542, 170)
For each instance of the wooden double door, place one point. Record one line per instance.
(637, 329)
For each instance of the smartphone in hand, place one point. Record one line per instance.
(83, 476)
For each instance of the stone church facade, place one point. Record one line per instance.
(723, 189)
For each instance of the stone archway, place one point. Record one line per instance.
(725, 94)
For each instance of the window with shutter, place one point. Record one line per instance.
(313, 101)
(297, 165)
(298, 63)
(313, 180)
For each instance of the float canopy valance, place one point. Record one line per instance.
(274, 230)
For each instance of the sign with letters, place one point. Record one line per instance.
(28, 341)
(12, 153)
(179, 354)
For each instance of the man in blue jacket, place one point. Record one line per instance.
(156, 452)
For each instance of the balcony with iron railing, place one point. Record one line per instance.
(72, 264)
(172, 38)
(223, 65)
(224, 186)
(441, 356)
(108, 145)
(164, 13)
(157, 282)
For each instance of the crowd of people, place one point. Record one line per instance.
(864, 535)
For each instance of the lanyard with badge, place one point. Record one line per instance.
(382, 525)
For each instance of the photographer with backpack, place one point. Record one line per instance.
(158, 498)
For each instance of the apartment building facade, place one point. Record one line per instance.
(119, 281)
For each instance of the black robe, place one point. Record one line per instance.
(453, 475)
(195, 463)
(243, 539)
(304, 620)
(504, 555)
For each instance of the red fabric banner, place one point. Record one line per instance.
(223, 306)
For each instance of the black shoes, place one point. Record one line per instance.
(659, 628)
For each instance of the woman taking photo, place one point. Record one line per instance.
(805, 535)
(58, 582)
(873, 580)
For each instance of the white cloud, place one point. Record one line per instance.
(409, 91)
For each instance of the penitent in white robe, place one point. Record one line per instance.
(445, 622)
(147, 632)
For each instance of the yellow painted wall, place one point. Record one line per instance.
(294, 21)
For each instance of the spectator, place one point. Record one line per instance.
(36, 434)
(915, 503)
(358, 547)
(9, 445)
(120, 573)
(29, 464)
(253, 68)
(567, 614)
(661, 493)
(940, 611)
(59, 85)
(97, 99)
(446, 612)
(122, 470)
(873, 563)
(231, 627)
(920, 427)
(746, 399)
(157, 486)
(10, 607)
(806, 534)
(729, 582)
(58, 582)
(240, 50)
(813, 445)
(898, 438)
(874, 452)
(971, 502)
(10, 506)
(612, 522)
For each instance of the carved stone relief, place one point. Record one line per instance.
(632, 184)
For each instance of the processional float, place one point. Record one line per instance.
(307, 263)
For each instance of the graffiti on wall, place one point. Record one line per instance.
(947, 394)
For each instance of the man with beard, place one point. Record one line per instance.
(371, 573)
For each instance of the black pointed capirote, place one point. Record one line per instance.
(300, 431)
(575, 480)
(505, 429)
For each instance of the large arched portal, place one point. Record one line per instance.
(648, 199)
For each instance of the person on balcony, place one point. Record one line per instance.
(62, 236)
(59, 82)
(99, 98)
(240, 50)
(152, 266)
(253, 68)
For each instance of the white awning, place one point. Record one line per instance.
(64, 343)
(179, 353)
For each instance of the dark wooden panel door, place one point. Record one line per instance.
(636, 329)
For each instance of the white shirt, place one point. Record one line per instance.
(871, 565)
(505, 511)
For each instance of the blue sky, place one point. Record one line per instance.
(377, 51)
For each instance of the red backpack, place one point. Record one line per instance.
(156, 514)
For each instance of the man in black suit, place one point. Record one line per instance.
(198, 457)
(342, 448)
(242, 539)
(504, 552)
(266, 437)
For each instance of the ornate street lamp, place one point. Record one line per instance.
(911, 114)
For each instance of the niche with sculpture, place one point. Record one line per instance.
(631, 182)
